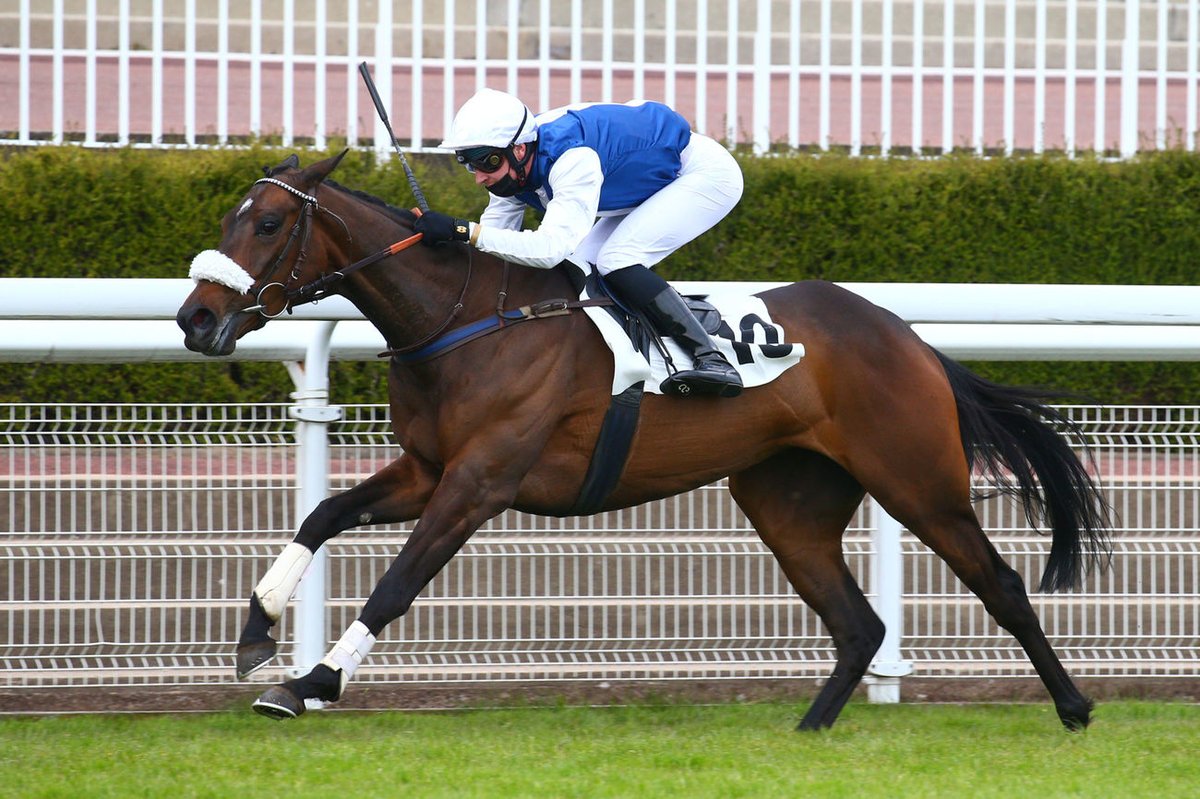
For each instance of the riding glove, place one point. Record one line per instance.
(437, 228)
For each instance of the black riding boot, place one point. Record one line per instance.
(666, 311)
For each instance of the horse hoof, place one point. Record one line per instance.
(812, 726)
(1075, 715)
(253, 656)
(278, 703)
(1075, 725)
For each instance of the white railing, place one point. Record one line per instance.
(134, 533)
(868, 75)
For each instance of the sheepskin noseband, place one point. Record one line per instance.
(217, 267)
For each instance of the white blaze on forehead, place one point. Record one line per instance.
(245, 207)
(217, 267)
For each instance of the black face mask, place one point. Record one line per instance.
(508, 186)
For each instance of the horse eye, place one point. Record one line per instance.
(267, 226)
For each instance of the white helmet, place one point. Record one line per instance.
(490, 119)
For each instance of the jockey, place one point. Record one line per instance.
(619, 187)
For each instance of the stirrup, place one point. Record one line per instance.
(703, 382)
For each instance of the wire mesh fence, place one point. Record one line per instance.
(134, 534)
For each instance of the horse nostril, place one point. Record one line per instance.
(197, 321)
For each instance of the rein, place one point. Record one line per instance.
(319, 289)
(430, 346)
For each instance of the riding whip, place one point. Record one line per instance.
(412, 179)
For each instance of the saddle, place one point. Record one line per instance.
(641, 334)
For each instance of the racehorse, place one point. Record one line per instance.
(509, 420)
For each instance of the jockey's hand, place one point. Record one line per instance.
(437, 228)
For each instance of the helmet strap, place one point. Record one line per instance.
(509, 186)
(521, 165)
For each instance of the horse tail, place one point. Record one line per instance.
(1011, 428)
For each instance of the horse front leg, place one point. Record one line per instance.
(462, 502)
(397, 493)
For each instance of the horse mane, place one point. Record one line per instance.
(399, 214)
(402, 215)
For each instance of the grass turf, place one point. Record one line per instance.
(1133, 749)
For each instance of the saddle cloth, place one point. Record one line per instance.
(746, 336)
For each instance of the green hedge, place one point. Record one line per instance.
(71, 212)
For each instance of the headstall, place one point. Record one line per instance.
(321, 287)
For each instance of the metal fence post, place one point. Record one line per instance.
(761, 114)
(887, 578)
(313, 415)
(383, 78)
(1130, 56)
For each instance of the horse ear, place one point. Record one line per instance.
(313, 175)
(291, 162)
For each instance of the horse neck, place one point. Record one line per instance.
(415, 293)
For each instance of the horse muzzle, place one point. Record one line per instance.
(210, 333)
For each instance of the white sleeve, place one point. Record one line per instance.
(505, 213)
(574, 182)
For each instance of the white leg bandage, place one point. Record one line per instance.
(348, 653)
(279, 583)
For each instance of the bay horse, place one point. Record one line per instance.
(510, 419)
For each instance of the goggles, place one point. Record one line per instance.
(481, 159)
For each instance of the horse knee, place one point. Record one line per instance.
(321, 524)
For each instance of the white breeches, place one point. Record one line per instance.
(708, 187)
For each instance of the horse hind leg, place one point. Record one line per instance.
(800, 503)
(933, 502)
(962, 544)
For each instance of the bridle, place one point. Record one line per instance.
(321, 287)
(301, 231)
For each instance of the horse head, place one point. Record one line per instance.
(263, 255)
